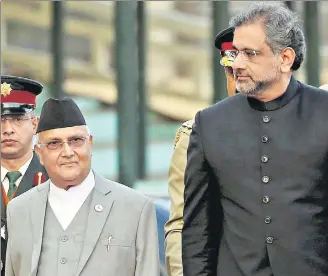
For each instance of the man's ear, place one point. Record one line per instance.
(35, 122)
(37, 150)
(91, 140)
(287, 59)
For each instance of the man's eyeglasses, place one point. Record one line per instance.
(248, 55)
(15, 120)
(74, 143)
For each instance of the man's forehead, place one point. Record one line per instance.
(249, 36)
(63, 133)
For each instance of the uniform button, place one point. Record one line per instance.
(64, 239)
(265, 179)
(269, 240)
(266, 119)
(265, 138)
(267, 220)
(266, 199)
(264, 159)
(63, 260)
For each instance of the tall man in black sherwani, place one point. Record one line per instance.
(264, 152)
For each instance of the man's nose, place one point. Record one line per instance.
(6, 127)
(239, 62)
(67, 150)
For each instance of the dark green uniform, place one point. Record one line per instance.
(18, 97)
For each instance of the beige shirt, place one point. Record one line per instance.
(22, 170)
(66, 204)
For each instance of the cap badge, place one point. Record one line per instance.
(5, 89)
(226, 61)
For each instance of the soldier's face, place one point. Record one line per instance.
(17, 135)
(231, 83)
(68, 163)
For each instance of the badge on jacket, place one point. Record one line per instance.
(39, 177)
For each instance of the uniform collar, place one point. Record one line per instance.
(22, 169)
(277, 103)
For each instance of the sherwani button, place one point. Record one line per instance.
(266, 119)
(265, 138)
(265, 179)
(266, 199)
(264, 159)
(267, 220)
(63, 260)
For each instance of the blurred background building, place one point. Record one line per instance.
(178, 52)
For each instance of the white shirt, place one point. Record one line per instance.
(66, 204)
(22, 170)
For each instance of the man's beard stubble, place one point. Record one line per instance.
(254, 88)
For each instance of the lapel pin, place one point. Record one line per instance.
(99, 208)
(108, 242)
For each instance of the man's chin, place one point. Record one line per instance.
(10, 154)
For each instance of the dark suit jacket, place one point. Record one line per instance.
(256, 187)
(26, 183)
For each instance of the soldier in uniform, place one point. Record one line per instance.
(20, 166)
(173, 227)
(256, 181)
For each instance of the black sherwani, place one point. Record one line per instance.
(27, 182)
(256, 187)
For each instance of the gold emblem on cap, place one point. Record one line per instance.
(5, 89)
(226, 61)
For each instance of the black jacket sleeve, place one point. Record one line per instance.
(202, 215)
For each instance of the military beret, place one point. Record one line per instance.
(223, 40)
(18, 95)
(60, 114)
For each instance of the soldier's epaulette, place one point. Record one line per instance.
(186, 128)
(188, 124)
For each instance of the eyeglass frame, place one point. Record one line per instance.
(61, 143)
(246, 54)
(13, 118)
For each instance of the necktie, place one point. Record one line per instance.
(12, 176)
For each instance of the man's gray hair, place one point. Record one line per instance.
(283, 28)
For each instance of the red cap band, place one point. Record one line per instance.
(19, 96)
(226, 46)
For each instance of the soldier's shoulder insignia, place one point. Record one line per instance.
(188, 124)
(186, 128)
(177, 136)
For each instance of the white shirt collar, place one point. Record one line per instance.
(22, 170)
(82, 190)
(66, 204)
